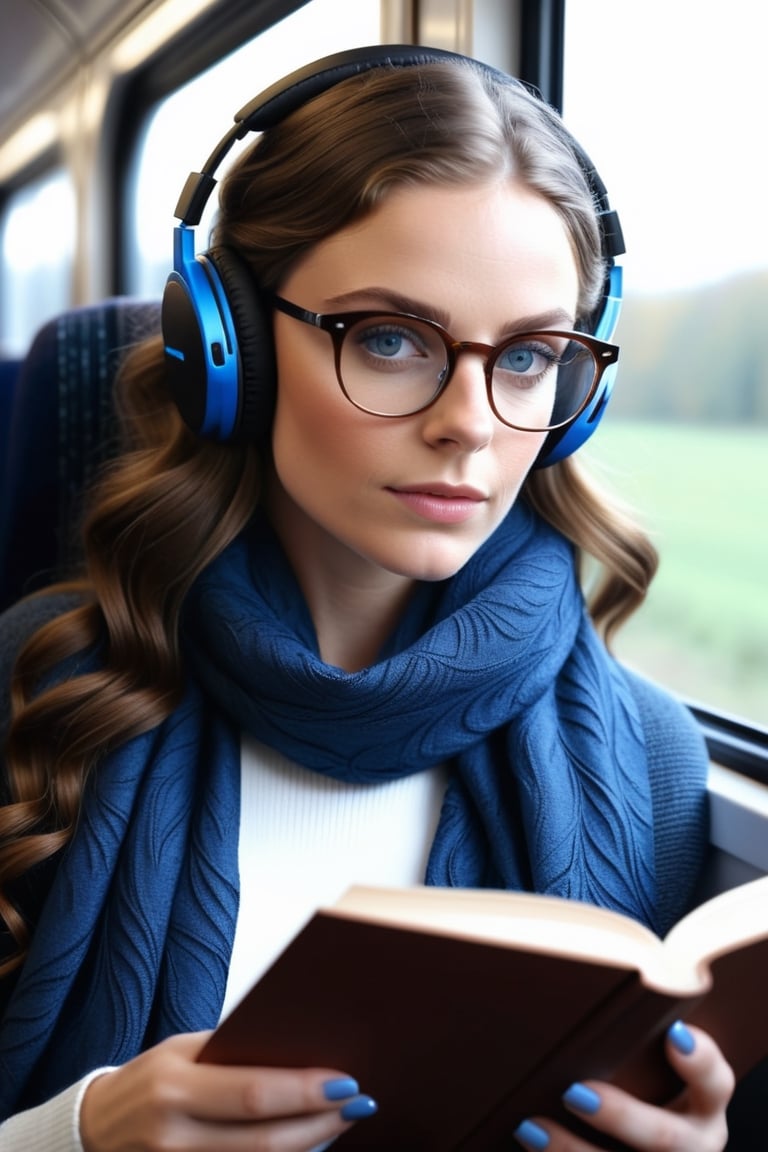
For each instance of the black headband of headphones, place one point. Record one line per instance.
(282, 98)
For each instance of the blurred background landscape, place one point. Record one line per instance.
(685, 442)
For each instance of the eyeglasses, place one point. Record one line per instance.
(394, 364)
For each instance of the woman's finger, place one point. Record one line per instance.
(701, 1066)
(165, 1098)
(239, 1092)
(244, 1093)
(694, 1123)
(296, 1134)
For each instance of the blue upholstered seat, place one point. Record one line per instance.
(9, 371)
(60, 428)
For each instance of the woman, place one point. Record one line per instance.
(357, 611)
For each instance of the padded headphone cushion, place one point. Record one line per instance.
(253, 332)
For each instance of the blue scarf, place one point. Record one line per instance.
(496, 672)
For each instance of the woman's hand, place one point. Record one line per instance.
(165, 1100)
(695, 1122)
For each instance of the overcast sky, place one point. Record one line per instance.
(670, 99)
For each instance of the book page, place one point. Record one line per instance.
(545, 924)
(735, 917)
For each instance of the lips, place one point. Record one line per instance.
(441, 503)
(447, 491)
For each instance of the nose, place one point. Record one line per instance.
(462, 416)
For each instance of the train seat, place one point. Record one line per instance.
(60, 428)
(9, 371)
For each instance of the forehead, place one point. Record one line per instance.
(491, 250)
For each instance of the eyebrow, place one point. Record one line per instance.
(393, 301)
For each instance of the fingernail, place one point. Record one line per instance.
(582, 1099)
(532, 1135)
(341, 1088)
(359, 1108)
(681, 1038)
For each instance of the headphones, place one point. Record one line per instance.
(216, 329)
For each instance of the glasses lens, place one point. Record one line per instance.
(541, 380)
(392, 366)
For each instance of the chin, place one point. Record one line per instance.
(431, 565)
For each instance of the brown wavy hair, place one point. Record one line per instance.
(172, 502)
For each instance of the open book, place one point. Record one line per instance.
(463, 1011)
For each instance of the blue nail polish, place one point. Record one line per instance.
(340, 1089)
(359, 1108)
(532, 1136)
(681, 1038)
(582, 1099)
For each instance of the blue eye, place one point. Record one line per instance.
(384, 343)
(517, 360)
(526, 360)
(400, 345)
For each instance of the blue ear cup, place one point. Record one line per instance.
(202, 356)
(217, 332)
(564, 442)
(218, 343)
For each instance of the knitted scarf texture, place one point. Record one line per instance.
(497, 673)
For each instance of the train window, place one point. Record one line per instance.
(170, 150)
(670, 103)
(37, 232)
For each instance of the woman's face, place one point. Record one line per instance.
(413, 496)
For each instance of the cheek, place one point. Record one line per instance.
(317, 441)
(516, 455)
